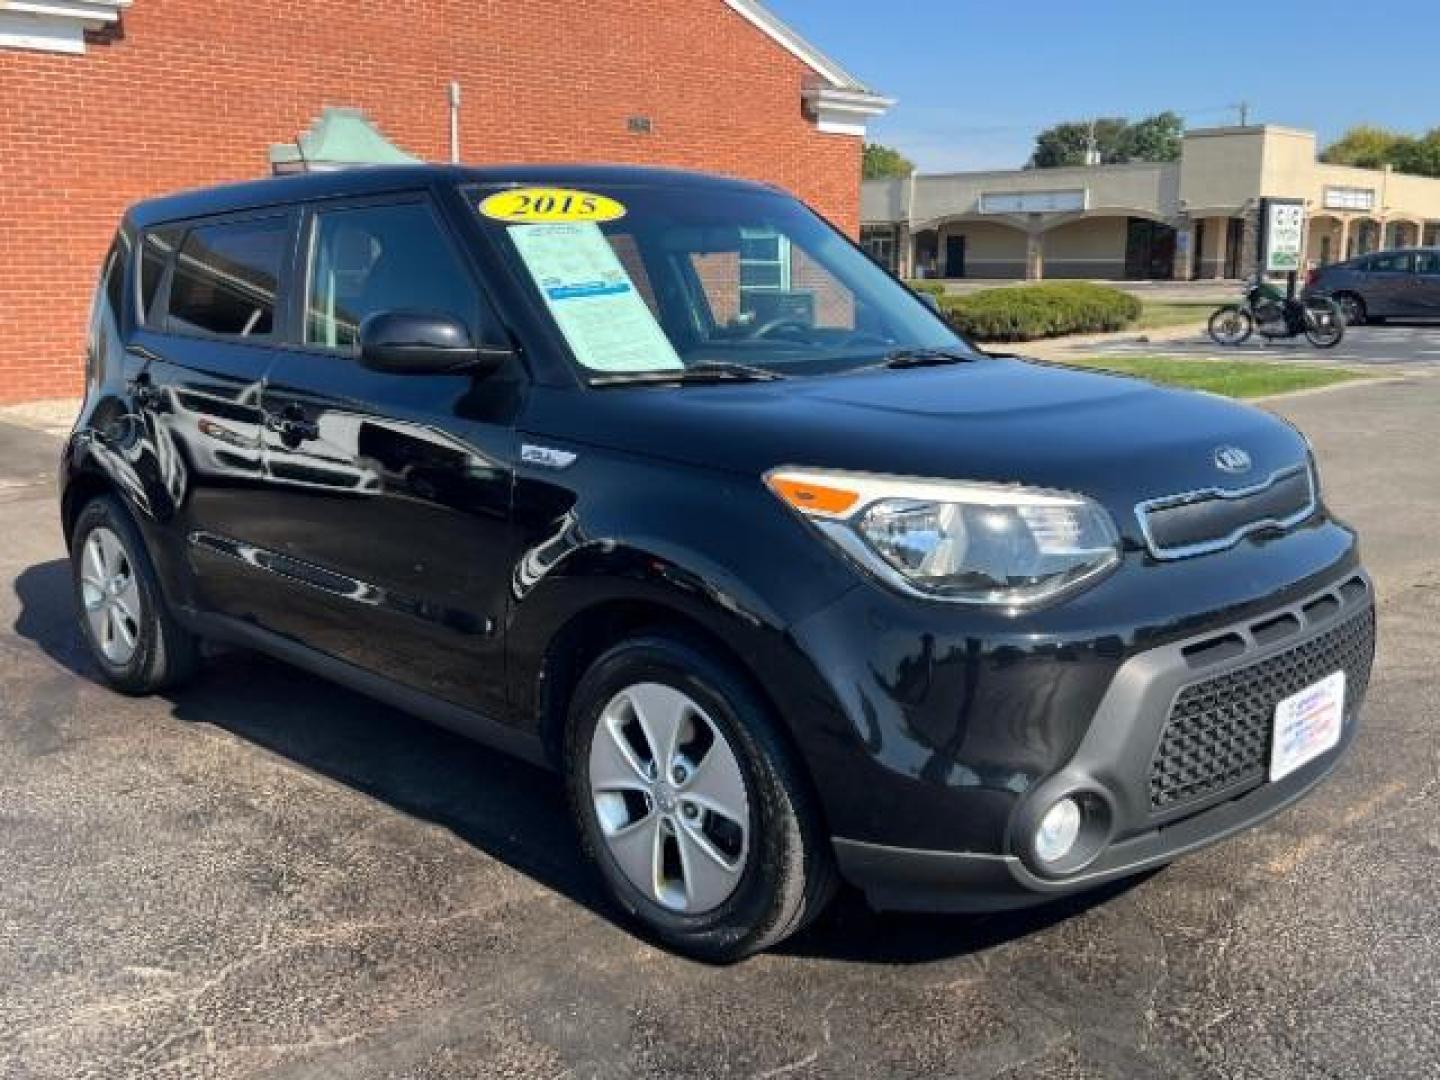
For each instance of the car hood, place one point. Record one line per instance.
(1118, 439)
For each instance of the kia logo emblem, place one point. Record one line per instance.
(1232, 459)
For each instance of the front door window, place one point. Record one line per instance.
(369, 259)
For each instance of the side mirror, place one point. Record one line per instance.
(423, 343)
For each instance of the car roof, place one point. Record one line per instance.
(1393, 251)
(376, 180)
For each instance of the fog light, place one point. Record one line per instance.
(1059, 829)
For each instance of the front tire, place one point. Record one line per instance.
(1352, 307)
(131, 634)
(690, 803)
(1231, 325)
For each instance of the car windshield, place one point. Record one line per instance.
(647, 280)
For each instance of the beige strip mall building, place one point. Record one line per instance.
(1194, 218)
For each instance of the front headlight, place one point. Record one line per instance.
(948, 540)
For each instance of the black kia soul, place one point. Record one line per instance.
(655, 478)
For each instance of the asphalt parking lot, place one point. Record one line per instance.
(268, 876)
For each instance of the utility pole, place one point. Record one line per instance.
(455, 122)
(1092, 147)
(1244, 109)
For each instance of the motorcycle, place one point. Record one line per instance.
(1275, 315)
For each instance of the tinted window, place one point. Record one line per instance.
(1428, 262)
(380, 258)
(155, 251)
(115, 279)
(1389, 264)
(226, 278)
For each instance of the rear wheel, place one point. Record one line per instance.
(1352, 308)
(690, 803)
(1231, 325)
(133, 638)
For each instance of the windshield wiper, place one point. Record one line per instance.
(699, 375)
(908, 358)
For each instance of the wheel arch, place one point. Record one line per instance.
(81, 488)
(1339, 296)
(591, 630)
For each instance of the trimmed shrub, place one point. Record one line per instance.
(934, 288)
(1027, 312)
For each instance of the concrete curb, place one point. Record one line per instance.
(1310, 391)
(1061, 345)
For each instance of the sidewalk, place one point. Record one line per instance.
(54, 416)
(1059, 347)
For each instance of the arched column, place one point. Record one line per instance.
(1365, 235)
(981, 246)
(1324, 241)
(1403, 232)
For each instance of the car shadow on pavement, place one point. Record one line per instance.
(512, 811)
(851, 930)
(505, 807)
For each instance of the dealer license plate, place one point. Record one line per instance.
(1307, 724)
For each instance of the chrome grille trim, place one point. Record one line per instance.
(1144, 509)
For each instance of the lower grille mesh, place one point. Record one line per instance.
(1218, 733)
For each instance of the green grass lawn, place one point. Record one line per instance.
(1157, 315)
(1233, 378)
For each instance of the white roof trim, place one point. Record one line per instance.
(54, 25)
(780, 32)
(844, 112)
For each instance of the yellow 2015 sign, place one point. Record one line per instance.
(550, 204)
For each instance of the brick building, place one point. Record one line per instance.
(103, 102)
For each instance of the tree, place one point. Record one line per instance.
(1067, 143)
(882, 162)
(1155, 138)
(1366, 146)
(1370, 147)
(1418, 156)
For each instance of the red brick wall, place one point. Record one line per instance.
(193, 92)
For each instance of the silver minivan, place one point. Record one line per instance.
(1399, 284)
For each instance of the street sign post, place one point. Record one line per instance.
(1282, 235)
(1282, 239)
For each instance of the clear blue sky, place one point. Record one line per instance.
(977, 78)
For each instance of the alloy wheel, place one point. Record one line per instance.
(111, 596)
(670, 798)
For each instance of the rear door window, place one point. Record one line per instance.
(226, 281)
(1390, 264)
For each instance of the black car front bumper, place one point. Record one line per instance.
(1176, 756)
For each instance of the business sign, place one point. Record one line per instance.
(1349, 198)
(1032, 202)
(1282, 235)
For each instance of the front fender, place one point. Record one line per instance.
(715, 549)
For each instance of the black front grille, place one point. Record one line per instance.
(1217, 736)
(1207, 521)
